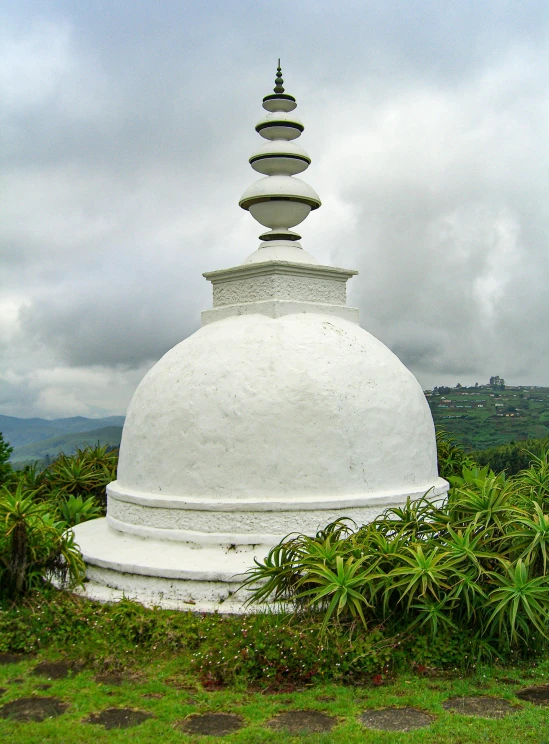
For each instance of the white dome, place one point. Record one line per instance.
(253, 407)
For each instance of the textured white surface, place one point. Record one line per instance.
(162, 573)
(249, 524)
(280, 287)
(281, 250)
(258, 407)
(277, 308)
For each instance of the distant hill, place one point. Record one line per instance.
(48, 449)
(484, 416)
(20, 431)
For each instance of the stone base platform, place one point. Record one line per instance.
(164, 573)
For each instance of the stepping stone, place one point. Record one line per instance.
(396, 719)
(479, 705)
(33, 709)
(302, 722)
(56, 669)
(211, 724)
(538, 694)
(119, 718)
(11, 658)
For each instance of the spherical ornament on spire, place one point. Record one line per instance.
(280, 201)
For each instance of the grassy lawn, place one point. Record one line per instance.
(163, 688)
(115, 670)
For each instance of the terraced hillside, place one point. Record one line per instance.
(484, 416)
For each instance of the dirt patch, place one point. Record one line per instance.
(43, 688)
(509, 681)
(153, 695)
(479, 705)
(539, 694)
(33, 709)
(211, 724)
(2, 691)
(119, 718)
(57, 669)
(11, 658)
(16, 681)
(111, 680)
(325, 698)
(180, 684)
(302, 722)
(396, 719)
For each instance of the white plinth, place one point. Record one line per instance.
(162, 573)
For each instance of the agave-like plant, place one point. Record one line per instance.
(535, 479)
(483, 498)
(425, 570)
(33, 545)
(518, 602)
(530, 537)
(76, 509)
(276, 576)
(433, 614)
(479, 562)
(342, 587)
(19, 514)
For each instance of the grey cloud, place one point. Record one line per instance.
(124, 157)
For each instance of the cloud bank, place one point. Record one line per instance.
(125, 135)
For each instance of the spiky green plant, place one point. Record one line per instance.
(34, 547)
(477, 563)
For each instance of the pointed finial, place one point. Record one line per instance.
(278, 80)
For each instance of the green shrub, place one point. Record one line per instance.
(451, 457)
(34, 547)
(473, 567)
(512, 457)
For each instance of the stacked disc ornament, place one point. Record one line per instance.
(280, 201)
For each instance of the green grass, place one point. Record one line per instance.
(163, 653)
(168, 675)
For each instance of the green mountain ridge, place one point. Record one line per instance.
(21, 431)
(68, 443)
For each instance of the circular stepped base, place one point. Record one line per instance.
(164, 573)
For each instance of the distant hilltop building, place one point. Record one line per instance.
(497, 382)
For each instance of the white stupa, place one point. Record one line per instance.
(279, 415)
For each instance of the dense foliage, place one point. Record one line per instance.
(37, 509)
(275, 650)
(5, 468)
(512, 457)
(475, 564)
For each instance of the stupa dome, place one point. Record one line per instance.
(281, 414)
(288, 412)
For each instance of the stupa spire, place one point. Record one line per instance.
(280, 201)
(278, 79)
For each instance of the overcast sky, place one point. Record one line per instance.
(125, 130)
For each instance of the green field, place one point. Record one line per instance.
(482, 417)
